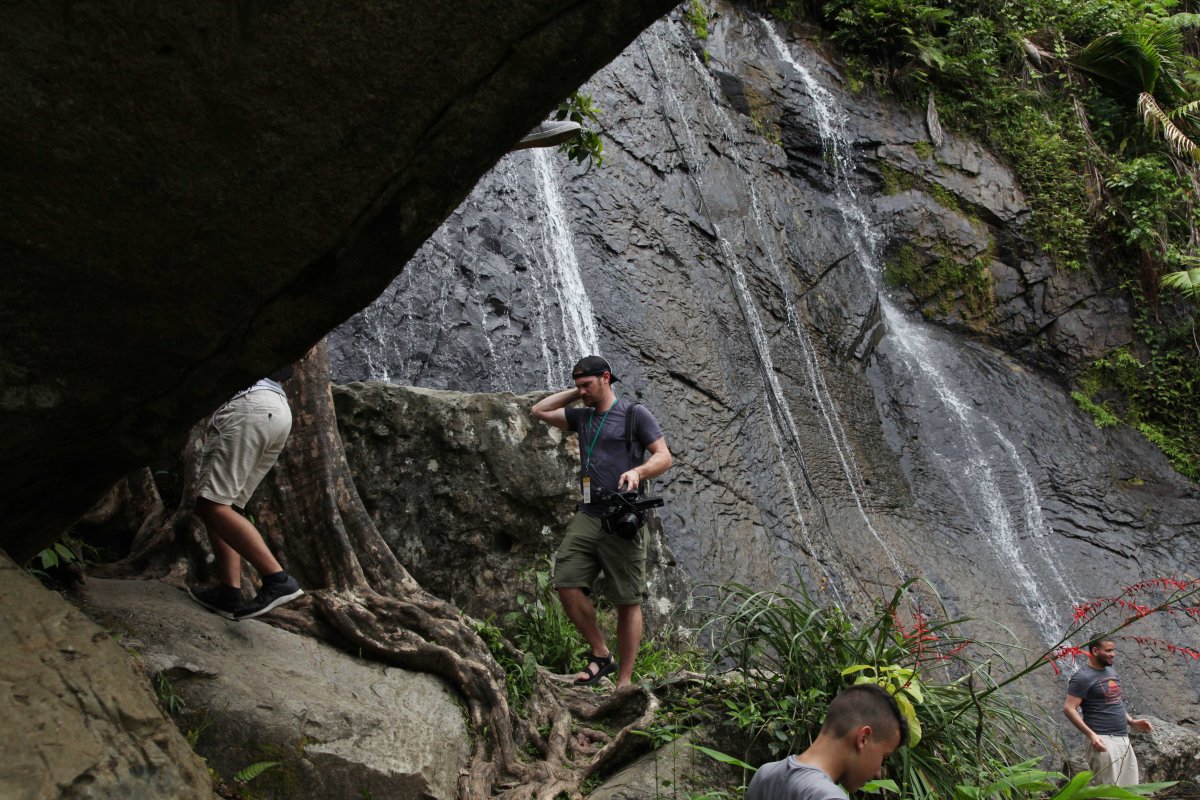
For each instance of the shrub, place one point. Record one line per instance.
(792, 655)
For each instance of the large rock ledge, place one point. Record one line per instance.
(338, 726)
(76, 717)
(472, 493)
(197, 193)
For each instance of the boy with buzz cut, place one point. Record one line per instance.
(863, 726)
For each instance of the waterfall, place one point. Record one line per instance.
(779, 411)
(777, 400)
(973, 471)
(558, 250)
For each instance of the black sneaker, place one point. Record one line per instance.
(223, 600)
(271, 595)
(549, 134)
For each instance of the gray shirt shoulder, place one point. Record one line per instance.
(790, 780)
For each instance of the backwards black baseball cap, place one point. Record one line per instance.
(592, 365)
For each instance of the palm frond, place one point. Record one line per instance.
(1186, 281)
(1126, 63)
(1185, 110)
(1157, 121)
(1162, 49)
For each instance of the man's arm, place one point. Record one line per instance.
(552, 409)
(1139, 724)
(660, 461)
(1071, 710)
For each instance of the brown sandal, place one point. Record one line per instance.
(604, 665)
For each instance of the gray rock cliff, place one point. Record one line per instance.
(734, 260)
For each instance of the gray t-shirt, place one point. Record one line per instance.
(790, 780)
(608, 457)
(1103, 705)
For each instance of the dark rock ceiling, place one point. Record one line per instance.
(194, 195)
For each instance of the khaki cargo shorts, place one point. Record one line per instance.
(244, 439)
(586, 550)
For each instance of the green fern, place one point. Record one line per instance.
(254, 770)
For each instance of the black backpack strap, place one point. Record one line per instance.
(637, 453)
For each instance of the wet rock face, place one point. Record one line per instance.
(472, 493)
(733, 260)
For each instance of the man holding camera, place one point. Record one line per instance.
(609, 462)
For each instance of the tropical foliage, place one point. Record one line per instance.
(791, 654)
(780, 657)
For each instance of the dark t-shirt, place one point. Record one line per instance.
(790, 780)
(1103, 705)
(609, 457)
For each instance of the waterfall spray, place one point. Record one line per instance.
(977, 484)
(558, 249)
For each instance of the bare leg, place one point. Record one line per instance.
(629, 638)
(233, 535)
(582, 614)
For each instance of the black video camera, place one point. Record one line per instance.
(624, 513)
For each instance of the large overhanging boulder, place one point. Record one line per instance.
(195, 195)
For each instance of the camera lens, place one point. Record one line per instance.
(626, 526)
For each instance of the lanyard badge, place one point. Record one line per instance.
(585, 480)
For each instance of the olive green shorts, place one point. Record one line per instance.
(586, 550)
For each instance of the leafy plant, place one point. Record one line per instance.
(1027, 780)
(196, 731)
(168, 698)
(1101, 415)
(660, 657)
(901, 683)
(541, 629)
(519, 668)
(587, 146)
(697, 16)
(68, 550)
(1186, 281)
(791, 655)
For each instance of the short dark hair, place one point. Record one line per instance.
(1096, 641)
(865, 704)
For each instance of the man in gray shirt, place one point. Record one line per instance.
(862, 727)
(1096, 706)
(588, 546)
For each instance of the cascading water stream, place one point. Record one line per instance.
(777, 400)
(416, 325)
(973, 473)
(816, 378)
(558, 249)
(779, 411)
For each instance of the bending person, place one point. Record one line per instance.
(243, 440)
